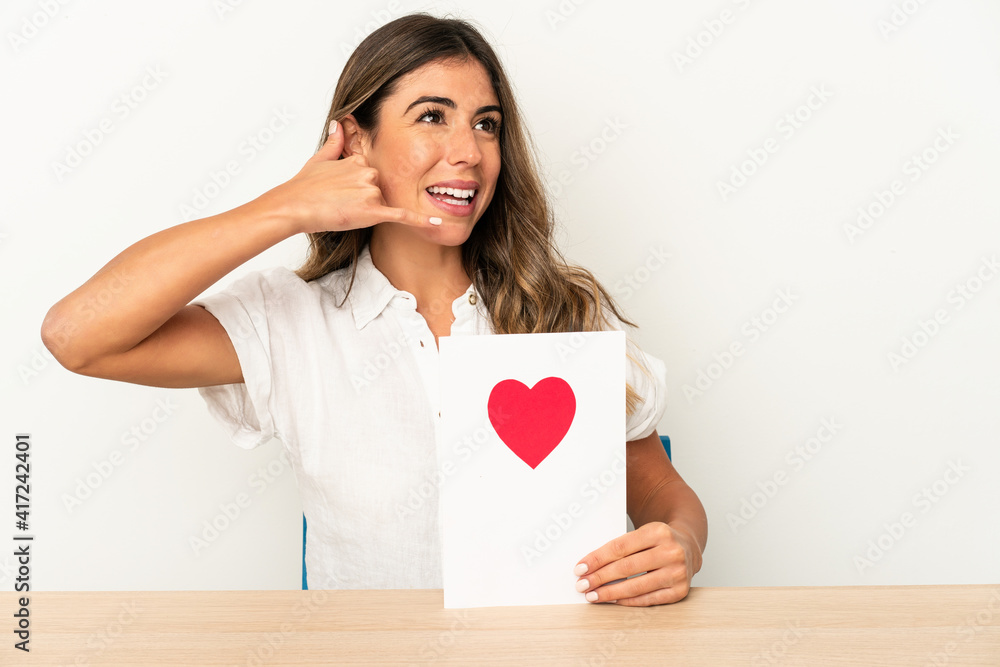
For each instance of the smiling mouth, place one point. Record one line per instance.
(453, 196)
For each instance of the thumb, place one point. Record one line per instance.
(334, 145)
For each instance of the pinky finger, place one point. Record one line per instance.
(408, 217)
(662, 596)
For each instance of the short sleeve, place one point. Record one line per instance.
(647, 375)
(652, 389)
(244, 309)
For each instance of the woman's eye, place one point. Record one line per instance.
(490, 124)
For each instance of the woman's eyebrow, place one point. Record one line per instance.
(448, 102)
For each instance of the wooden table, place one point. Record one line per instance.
(854, 625)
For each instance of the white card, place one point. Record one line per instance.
(531, 452)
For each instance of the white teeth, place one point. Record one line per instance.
(455, 192)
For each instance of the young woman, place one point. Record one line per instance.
(426, 217)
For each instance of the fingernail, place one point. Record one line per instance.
(612, 601)
(592, 596)
(581, 568)
(333, 127)
(582, 585)
(435, 221)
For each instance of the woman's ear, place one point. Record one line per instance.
(355, 139)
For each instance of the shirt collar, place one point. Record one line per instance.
(372, 292)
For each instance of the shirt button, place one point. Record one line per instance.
(472, 299)
(421, 343)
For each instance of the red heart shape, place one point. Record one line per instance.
(532, 422)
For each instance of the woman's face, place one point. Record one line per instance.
(437, 149)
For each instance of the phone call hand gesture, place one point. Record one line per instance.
(331, 193)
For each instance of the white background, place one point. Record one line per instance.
(660, 136)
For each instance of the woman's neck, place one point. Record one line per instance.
(431, 272)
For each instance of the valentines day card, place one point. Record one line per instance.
(531, 453)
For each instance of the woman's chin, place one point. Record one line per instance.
(451, 231)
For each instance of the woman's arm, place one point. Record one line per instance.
(130, 321)
(667, 544)
(657, 493)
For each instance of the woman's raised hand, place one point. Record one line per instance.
(333, 194)
(148, 333)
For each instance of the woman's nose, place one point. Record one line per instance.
(463, 146)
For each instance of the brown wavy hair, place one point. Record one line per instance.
(510, 254)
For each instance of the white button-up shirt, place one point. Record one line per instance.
(350, 387)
